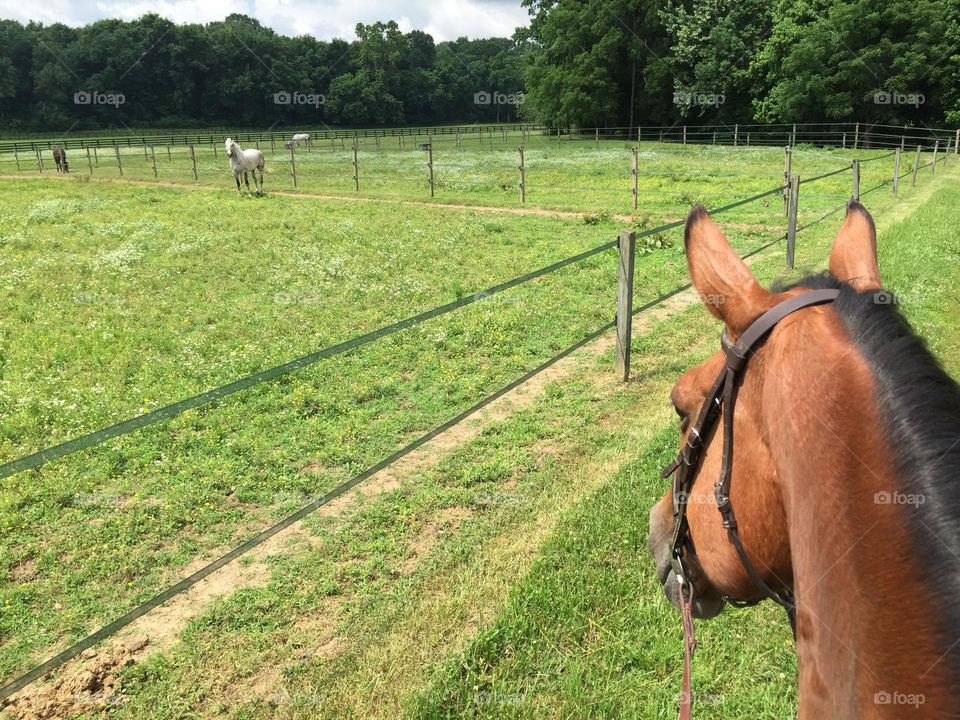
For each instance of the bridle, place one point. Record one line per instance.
(721, 399)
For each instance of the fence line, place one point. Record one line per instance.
(41, 457)
(350, 163)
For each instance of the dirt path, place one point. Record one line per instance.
(493, 209)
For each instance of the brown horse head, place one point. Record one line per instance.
(845, 478)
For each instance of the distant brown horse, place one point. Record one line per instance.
(845, 476)
(60, 158)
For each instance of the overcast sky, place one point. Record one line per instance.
(325, 19)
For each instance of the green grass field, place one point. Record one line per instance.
(507, 576)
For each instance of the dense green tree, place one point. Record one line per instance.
(713, 44)
(597, 62)
(860, 60)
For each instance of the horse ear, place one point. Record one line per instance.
(853, 259)
(724, 282)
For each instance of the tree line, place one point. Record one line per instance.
(586, 63)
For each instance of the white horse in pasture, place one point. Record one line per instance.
(301, 138)
(244, 161)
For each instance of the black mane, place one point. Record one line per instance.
(920, 408)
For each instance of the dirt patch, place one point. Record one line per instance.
(89, 687)
(24, 571)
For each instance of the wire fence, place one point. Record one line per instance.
(513, 176)
(90, 440)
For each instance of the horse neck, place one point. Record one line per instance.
(867, 620)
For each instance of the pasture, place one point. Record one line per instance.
(499, 572)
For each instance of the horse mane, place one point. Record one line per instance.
(920, 410)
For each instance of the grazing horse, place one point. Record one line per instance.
(244, 161)
(301, 138)
(60, 158)
(842, 460)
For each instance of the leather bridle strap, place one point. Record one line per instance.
(721, 399)
(689, 648)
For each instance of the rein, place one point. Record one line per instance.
(720, 402)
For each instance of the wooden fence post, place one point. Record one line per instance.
(787, 163)
(89, 161)
(16, 156)
(193, 159)
(356, 168)
(627, 246)
(916, 167)
(855, 167)
(153, 159)
(748, 139)
(856, 136)
(903, 141)
(596, 138)
(293, 165)
(116, 151)
(430, 165)
(169, 154)
(896, 171)
(636, 176)
(793, 136)
(36, 151)
(956, 143)
(792, 219)
(844, 141)
(558, 137)
(736, 134)
(684, 134)
(933, 165)
(714, 137)
(523, 179)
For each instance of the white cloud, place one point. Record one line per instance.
(326, 19)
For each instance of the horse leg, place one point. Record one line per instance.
(246, 180)
(236, 176)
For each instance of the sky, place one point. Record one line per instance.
(324, 19)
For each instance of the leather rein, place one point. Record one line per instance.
(720, 402)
